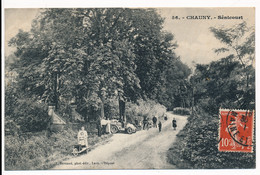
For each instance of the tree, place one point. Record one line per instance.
(90, 54)
(64, 57)
(228, 82)
(240, 46)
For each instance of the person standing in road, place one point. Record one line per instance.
(148, 124)
(160, 126)
(165, 116)
(145, 123)
(174, 123)
(154, 121)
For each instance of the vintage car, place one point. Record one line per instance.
(117, 126)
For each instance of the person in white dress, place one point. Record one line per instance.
(83, 137)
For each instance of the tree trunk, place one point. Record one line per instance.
(102, 114)
(192, 102)
(122, 110)
(55, 79)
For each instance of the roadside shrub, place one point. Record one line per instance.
(144, 108)
(27, 116)
(112, 108)
(181, 111)
(25, 151)
(197, 146)
(32, 151)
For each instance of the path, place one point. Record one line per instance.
(145, 149)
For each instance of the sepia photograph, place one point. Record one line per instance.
(132, 88)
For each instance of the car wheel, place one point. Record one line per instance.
(75, 152)
(113, 129)
(129, 130)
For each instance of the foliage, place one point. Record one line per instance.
(112, 108)
(36, 151)
(175, 91)
(197, 146)
(91, 55)
(181, 111)
(24, 114)
(226, 83)
(240, 48)
(65, 111)
(232, 77)
(88, 57)
(143, 109)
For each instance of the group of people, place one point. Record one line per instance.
(154, 120)
(83, 135)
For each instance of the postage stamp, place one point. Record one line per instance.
(236, 130)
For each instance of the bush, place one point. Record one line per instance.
(181, 111)
(197, 146)
(36, 151)
(143, 108)
(111, 108)
(27, 116)
(25, 151)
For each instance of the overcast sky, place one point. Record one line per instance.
(196, 42)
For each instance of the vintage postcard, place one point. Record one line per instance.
(129, 88)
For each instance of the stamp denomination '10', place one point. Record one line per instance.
(236, 130)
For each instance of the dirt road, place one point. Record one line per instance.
(145, 149)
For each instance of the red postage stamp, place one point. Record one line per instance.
(236, 130)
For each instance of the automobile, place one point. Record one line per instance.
(118, 126)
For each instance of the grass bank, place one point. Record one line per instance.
(36, 151)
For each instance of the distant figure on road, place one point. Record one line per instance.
(165, 116)
(154, 121)
(83, 138)
(160, 126)
(148, 123)
(174, 123)
(145, 123)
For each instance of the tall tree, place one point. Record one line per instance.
(240, 46)
(90, 54)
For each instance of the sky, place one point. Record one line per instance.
(196, 42)
(16, 19)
